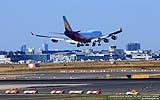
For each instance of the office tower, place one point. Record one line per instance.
(44, 47)
(23, 48)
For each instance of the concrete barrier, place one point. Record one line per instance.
(11, 91)
(30, 92)
(57, 92)
(93, 92)
(76, 92)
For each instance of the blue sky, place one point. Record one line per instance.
(140, 20)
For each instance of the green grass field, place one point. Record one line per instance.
(78, 97)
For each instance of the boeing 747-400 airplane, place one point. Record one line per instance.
(82, 38)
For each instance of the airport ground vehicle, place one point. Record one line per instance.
(132, 92)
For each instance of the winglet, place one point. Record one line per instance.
(32, 33)
(120, 29)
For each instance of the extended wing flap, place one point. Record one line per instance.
(64, 40)
(71, 41)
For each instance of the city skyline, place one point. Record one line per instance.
(139, 20)
(134, 46)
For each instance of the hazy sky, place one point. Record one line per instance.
(140, 20)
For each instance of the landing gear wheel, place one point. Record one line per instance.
(86, 44)
(93, 44)
(99, 44)
(81, 44)
(78, 45)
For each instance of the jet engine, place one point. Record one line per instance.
(106, 40)
(53, 40)
(114, 37)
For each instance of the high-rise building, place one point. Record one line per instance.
(133, 46)
(44, 47)
(31, 51)
(23, 48)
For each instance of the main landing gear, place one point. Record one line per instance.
(80, 44)
(99, 44)
(87, 44)
(93, 44)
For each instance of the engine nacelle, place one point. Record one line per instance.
(106, 40)
(53, 40)
(114, 37)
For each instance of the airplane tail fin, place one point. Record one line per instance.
(66, 25)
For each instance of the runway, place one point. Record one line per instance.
(107, 86)
(71, 75)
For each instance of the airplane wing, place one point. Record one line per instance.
(107, 36)
(112, 34)
(44, 36)
(56, 39)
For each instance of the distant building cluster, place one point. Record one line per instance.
(133, 46)
(133, 52)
